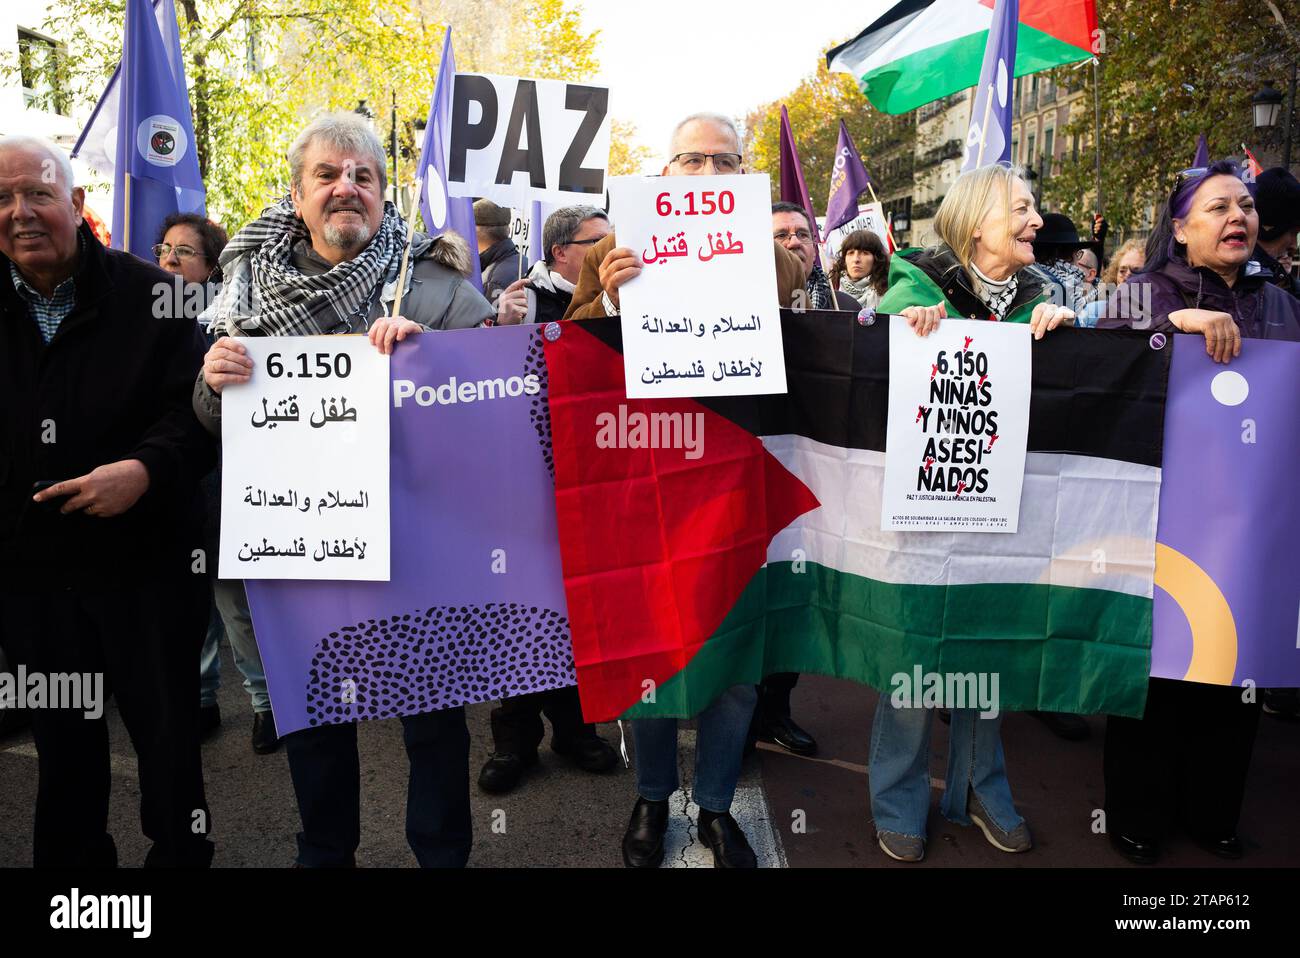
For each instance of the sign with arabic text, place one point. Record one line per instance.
(702, 318)
(304, 488)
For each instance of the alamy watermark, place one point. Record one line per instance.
(81, 691)
(953, 690)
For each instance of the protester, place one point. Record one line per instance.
(1086, 260)
(985, 224)
(100, 518)
(1128, 259)
(703, 143)
(1277, 197)
(335, 236)
(517, 729)
(861, 268)
(1055, 247)
(545, 293)
(1185, 761)
(501, 261)
(790, 228)
(189, 245)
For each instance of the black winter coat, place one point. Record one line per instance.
(114, 383)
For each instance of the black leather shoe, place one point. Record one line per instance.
(1063, 725)
(1229, 847)
(503, 771)
(209, 721)
(728, 843)
(782, 730)
(1140, 851)
(592, 754)
(643, 842)
(265, 738)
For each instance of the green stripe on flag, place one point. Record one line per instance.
(926, 75)
(1058, 648)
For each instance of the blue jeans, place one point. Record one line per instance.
(719, 749)
(230, 615)
(900, 769)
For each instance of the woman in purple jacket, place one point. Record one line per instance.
(1185, 761)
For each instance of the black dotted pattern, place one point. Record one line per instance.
(535, 362)
(439, 658)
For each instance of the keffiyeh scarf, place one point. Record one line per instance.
(265, 294)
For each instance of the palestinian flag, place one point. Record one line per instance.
(921, 50)
(711, 542)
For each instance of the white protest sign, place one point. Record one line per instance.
(304, 485)
(702, 318)
(514, 140)
(870, 217)
(958, 426)
(521, 225)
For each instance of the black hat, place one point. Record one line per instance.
(487, 213)
(1058, 230)
(1277, 197)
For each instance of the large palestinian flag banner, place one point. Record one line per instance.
(921, 50)
(707, 543)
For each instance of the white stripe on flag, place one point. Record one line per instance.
(1085, 521)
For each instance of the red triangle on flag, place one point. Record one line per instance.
(657, 543)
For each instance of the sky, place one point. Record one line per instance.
(677, 57)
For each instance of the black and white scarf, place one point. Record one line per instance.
(818, 288)
(265, 294)
(997, 296)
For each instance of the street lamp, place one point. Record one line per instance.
(1267, 104)
(363, 109)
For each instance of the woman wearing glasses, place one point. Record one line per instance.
(189, 245)
(986, 225)
(1185, 761)
(1128, 259)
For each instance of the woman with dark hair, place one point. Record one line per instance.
(861, 268)
(189, 245)
(1185, 761)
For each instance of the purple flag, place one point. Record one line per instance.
(475, 609)
(1202, 157)
(155, 137)
(440, 211)
(988, 139)
(848, 179)
(793, 188)
(1227, 593)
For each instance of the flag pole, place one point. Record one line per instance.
(126, 212)
(406, 252)
(984, 127)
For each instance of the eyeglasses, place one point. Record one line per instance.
(722, 162)
(586, 242)
(1185, 176)
(802, 236)
(182, 252)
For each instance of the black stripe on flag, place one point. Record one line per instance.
(1096, 392)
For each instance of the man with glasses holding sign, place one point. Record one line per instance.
(702, 144)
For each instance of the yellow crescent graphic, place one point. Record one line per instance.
(1214, 633)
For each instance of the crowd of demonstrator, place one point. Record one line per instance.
(98, 529)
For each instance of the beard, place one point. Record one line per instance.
(347, 237)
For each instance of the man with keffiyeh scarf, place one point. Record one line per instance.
(326, 259)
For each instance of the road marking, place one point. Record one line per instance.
(684, 849)
(837, 762)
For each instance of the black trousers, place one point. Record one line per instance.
(144, 640)
(1183, 763)
(517, 722)
(774, 695)
(326, 774)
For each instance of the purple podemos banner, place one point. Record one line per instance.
(475, 607)
(1227, 602)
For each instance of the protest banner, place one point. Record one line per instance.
(702, 317)
(958, 424)
(515, 140)
(1227, 607)
(871, 216)
(474, 609)
(304, 491)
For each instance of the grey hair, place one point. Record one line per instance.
(23, 141)
(563, 225)
(717, 119)
(343, 131)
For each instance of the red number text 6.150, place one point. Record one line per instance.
(699, 204)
